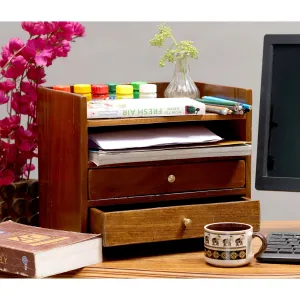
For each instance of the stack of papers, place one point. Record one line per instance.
(161, 143)
(150, 137)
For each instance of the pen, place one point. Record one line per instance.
(218, 110)
(218, 101)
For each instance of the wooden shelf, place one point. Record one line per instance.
(153, 120)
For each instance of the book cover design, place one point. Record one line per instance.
(144, 108)
(19, 243)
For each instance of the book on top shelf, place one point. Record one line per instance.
(135, 108)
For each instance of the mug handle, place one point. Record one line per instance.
(263, 240)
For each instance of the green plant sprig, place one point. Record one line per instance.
(181, 49)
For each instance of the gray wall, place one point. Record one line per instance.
(229, 54)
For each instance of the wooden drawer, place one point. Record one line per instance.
(113, 182)
(167, 223)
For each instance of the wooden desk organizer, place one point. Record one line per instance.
(136, 203)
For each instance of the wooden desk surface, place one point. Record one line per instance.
(174, 263)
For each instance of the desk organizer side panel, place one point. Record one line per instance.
(63, 160)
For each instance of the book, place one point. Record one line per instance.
(152, 107)
(220, 149)
(39, 252)
(143, 137)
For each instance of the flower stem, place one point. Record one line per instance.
(174, 40)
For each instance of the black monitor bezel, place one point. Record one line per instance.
(262, 181)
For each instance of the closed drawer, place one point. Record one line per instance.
(169, 223)
(112, 182)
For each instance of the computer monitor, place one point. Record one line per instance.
(278, 148)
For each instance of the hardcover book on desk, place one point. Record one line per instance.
(141, 201)
(39, 252)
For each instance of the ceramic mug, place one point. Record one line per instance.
(229, 244)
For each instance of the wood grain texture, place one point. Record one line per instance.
(130, 181)
(63, 160)
(166, 223)
(182, 261)
(63, 154)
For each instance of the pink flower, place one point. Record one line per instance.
(37, 74)
(5, 55)
(20, 103)
(7, 125)
(25, 139)
(34, 28)
(63, 50)
(6, 177)
(23, 67)
(79, 29)
(65, 31)
(16, 67)
(7, 85)
(50, 27)
(27, 168)
(15, 44)
(30, 92)
(38, 50)
(3, 98)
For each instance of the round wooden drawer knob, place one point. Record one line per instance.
(171, 178)
(187, 222)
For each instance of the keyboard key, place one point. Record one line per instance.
(276, 243)
(292, 240)
(277, 235)
(286, 251)
(286, 247)
(294, 244)
(288, 235)
(277, 240)
(297, 251)
(272, 250)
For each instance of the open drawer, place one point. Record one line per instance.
(143, 224)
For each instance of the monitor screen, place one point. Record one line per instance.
(278, 149)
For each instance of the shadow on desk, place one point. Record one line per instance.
(153, 249)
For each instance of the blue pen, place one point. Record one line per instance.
(216, 100)
(229, 98)
(227, 102)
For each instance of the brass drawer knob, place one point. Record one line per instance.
(171, 178)
(187, 222)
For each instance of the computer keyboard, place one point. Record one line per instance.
(283, 247)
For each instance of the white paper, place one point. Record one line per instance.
(149, 137)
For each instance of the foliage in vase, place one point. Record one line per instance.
(22, 68)
(180, 49)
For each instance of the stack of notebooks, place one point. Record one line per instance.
(161, 143)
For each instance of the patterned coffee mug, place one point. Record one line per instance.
(229, 244)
